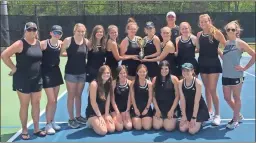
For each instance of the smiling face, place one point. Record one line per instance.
(205, 21)
(132, 29)
(113, 33)
(231, 30)
(166, 33)
(142, 71)
(31, 33)
(56, 34)
(79, 30)
(164, 71)
(99, 34)
(185, 29)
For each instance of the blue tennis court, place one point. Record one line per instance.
(245, 132)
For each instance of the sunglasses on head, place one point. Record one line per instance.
(171, 16)
(229, 29)
(57, 32)
(31, 29)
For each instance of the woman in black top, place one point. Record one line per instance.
(97, 52)
(193, 107)
(168, 50)
(129, 46)
(141, 95)
(52, 78)
(100, 93)
(186, 47)
(112, 53)
(165, 98)
(76, 48)
(27, 78)
(121, 101)
(209, 63)
(152, 48)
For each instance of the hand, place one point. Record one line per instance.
(137, 112)
(102, 121)
(183, 120)
(145, 57)
(170, 114)
(192, 123)
(135, 58)
(13, 71)
(144, 60)
(108, 118)
(145, 111)
(240, 68)
(158, 114)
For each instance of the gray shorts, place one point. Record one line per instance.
(75, 78)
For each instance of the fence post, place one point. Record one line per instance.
(5, 36)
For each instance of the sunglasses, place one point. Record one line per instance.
(57, 32)
(31, 30)
(233, 30)
(170, 16)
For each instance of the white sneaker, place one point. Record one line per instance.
(49, 129)
(232, 124)
(211, 114)
(216, 120)
(55, 126)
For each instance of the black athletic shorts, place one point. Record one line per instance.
(232, 81)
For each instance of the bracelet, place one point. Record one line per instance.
(193, 117)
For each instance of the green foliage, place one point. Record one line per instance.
(105, 7)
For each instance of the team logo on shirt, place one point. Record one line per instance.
(193, 89)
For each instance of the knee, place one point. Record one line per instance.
(212, 90)
(157, 126)
(128, 126)
(192, 131)
(169, 128)
(227, 98)
(52, 101)
(147, 126)
(119, 127)
(101, 132)
(183, 128)
(137, 126)
(111, 129)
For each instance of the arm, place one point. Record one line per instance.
(175, 82)
(150, 96)
(169, 48)
(93, 93)
(16, 47)
(177, 45)
(195, 42)
(182, 101)
(245, 47)
(107, 105)
(43, 45)
(129, 102)
(113, 102)
(197, 97)
(66, 43)
(156, 42)
(220, 37)
(198, 45)
(154, 98)
(114, 50)
(133, 96)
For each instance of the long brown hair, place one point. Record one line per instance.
(104, 88)
(93, 39)
(136, 82)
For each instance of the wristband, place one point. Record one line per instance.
(193, 117)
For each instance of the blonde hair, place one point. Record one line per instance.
(110, 27)
(237, 25)
(212, 29)
(131, 21)
(79, 25)
(189, 26)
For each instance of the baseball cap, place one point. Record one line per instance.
(30, 25)
(188, 66)
(56, 28)
(171, 13)
(150, 24)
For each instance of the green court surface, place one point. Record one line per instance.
(10, 122)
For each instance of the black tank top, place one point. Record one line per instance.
(110, 60)
(141, 96)
(51, 55)
(165, 92)
(186, 49)
(171, 59)
(29, 61)
(121, 94)
(175, 33)
(76, 58)
(190, 93)
(101, 103)
(96, 58)
(208, 49)
(133, 47)
(149, 48)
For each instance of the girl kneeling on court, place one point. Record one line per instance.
(165, 98)
(232, 77)
(121, 102)
(27, 78)
(141, 95)
(52, 78)
(193, 106)
(97, 111)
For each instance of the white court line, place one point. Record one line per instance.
(31, 121)
(249, 73)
